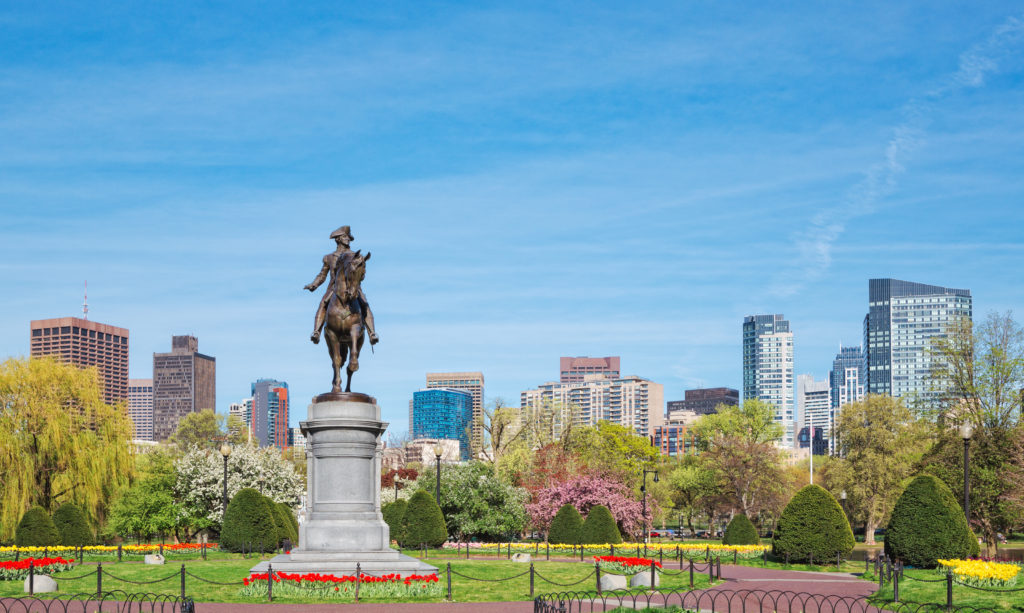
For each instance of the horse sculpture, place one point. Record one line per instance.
(344, 326)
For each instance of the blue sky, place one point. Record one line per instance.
(533, 179)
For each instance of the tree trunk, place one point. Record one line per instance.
(689, 524)
(869, 530)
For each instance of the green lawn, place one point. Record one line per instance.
(915, 591)
(234, 570)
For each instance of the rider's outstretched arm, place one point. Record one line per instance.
(315, 283)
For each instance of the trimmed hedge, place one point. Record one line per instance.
(284, 527)
(394, 513)
(248, 523)
(71, 525)
(599, 527)
(423, 522)
(566, 526)
(928, 524)
(36, 529)
(741, 531)
(813, 524)
(289, 514)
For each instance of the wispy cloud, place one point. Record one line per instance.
(815, 243)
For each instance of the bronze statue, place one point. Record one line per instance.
(343, 312)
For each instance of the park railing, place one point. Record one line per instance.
(105, 602)
(121, 552)
(729, 601)
(891, 572)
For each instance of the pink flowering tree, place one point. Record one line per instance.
(585, 491)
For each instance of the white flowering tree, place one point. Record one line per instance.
(199, 484)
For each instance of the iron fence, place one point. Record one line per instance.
(106, 602)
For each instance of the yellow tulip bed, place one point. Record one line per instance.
(688, 550)
(980, 573)
(10, 551)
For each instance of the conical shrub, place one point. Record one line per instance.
(284, 527)
(813, 524)
(394, 515)
(248, 523)
(423, 522)
(566, 526)
(741, 531)
(36, 529)
(293, 521)
(71, 525)
(599, 527)
(927, 524)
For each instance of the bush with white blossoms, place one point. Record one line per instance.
(199, 484)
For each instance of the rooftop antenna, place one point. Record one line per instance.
(85, 302)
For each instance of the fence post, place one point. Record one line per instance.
(509, 556)
(547, 551)
(17, 554)
(99, 579)
(719, 571)
(449, 573)
(896, 588)
(679, 554)
(949, 591)
(270, 582)
(711, 571)
(46, 551)
(653, 575)
(161, 548)
(581, 553)
(691, 572)
(735, 556)
(661, 556)
(358, 580)
(183, 582)
(645, 549)
(531, 579)
(764, 557)
(81, 555)
(31, 578)
(597, 573)
(611, 549)
(707, 553)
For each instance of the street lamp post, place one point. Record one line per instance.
(643, 496)
(966, 431)
(437, 455)
(225, 450)
(842, 496)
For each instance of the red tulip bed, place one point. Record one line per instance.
(621, 565)
(317, 585)
(11, 571)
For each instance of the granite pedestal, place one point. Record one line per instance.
(343, 524)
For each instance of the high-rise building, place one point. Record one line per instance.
(472, 382)
(903, 320)
(628, 401)
(572, 370)
(270, 413)
(768, 368)
(704, 401)
(842, 381)
(814, 404)
(443, 414)
(86, 343)
(674, 440)
(140, 408)
(184, 381)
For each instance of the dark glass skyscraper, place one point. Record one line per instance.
(847, 358)
(903, 320)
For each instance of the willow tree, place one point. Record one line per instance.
(59, 442)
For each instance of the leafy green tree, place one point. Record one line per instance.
(749, 475)
(58, 440)
(476, 503)
(248, 522)
(71, 524)
(149, 506)
(36, 529)
(565, 526)
(599, 527)
(813, 524)
(740, 531)
(207, 430)
(752, 421)
(927, 525)
(980, 369)
(394, 514)
(692, 484)
(612, 450)
(879, 440)
(423, 523)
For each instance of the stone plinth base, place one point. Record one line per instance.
(339, 563)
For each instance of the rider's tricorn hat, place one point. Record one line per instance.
(343, 231)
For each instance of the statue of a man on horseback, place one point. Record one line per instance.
(343, 313)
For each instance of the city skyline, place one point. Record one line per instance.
(532, 183)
